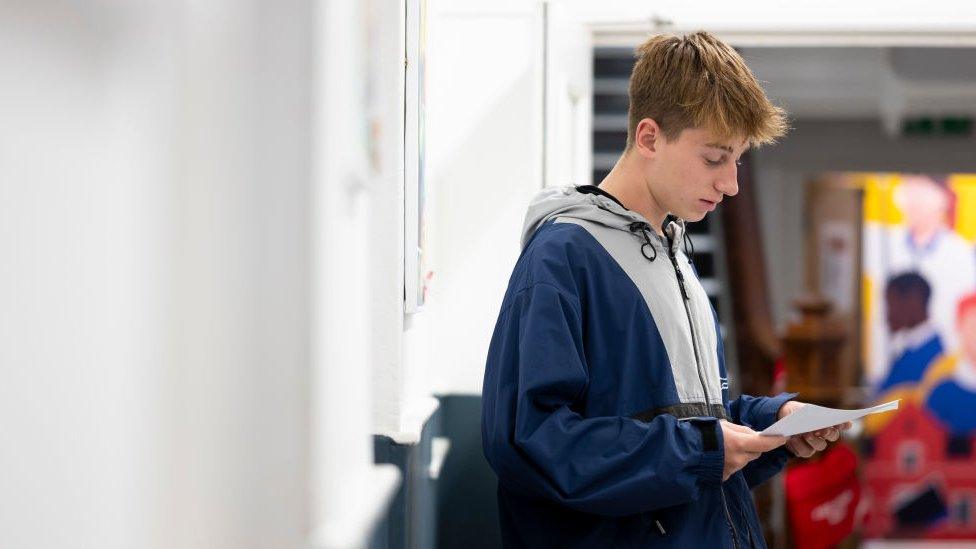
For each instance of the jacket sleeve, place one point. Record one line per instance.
(538, 443)
(758, 413)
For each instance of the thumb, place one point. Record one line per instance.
(737, 428)
(764, 443)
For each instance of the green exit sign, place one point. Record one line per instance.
(946, 125)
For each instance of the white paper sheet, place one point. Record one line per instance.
(812, 417)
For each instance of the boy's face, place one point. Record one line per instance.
(690, 175)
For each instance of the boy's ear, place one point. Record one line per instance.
(647, 136)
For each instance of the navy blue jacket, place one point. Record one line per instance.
(603, 388)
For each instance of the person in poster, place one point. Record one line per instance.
(953, 399)
(926, 244)
(915, 343)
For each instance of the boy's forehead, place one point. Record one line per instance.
(708, 138)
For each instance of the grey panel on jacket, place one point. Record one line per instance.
(609, 224)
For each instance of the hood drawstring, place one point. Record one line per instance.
(688, 242)
(643, 227)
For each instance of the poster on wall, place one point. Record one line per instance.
(919, 314)
(416, 273)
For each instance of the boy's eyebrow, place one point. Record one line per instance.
(725, 148)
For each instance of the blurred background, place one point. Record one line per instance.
(253, 252)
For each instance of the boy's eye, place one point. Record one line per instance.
(720, 161)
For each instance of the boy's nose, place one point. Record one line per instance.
(729, 184)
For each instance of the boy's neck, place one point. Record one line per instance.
(627, 184)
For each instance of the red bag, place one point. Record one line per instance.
(822, 496)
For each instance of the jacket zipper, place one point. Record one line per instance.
(728, 518)
(694, 346)
(745, 520)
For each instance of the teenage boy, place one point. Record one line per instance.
(606, 411)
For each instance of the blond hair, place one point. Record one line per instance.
(698, 81)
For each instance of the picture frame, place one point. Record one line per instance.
(415, 269)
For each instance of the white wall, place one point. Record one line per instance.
(778, 16)
(385, 235)
(81, 285)
(485, 154)
(154, 235)
(569, 98)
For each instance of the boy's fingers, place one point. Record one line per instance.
(800, 447)
(808, 448)
(762, 443)
(829, 434)
(815, 442)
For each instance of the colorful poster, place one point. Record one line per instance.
(919, 313)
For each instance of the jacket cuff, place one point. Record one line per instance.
(766, 466)
(781, 455)
(712, 463)
(765, 414)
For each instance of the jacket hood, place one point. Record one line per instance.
(569, 202)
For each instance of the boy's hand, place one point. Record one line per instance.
(805, 445)
(743, 445)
